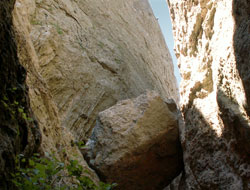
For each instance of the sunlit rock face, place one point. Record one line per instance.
(212, 43)
(92, 53)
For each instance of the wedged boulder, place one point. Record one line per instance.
(135, 143)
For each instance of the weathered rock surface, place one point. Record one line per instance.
(18, 133)
(55, 138)
(135, 143)
(82, 57)
(92, 53)
(212, 41)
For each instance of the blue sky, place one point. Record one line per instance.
(161, 12)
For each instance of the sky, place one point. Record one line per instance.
(160, 9)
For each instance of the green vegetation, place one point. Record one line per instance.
(14, 108)
(79, 144)
(58, 28)
(48, 173)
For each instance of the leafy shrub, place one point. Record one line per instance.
(48, 173)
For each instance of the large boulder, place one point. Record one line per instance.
(212, 45)
(136, 144)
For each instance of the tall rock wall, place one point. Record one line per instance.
(56, 139)
(19, 132)
(92, 53)
(212, 43)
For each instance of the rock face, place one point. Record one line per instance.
(82, 57)
(55, 138)
(19, 133)
(135, 143)
(212, 41)
(92, 53)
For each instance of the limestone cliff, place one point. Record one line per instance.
(92, 53)
(212, 43)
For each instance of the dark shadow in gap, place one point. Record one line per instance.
(241, 44)
(241, 38)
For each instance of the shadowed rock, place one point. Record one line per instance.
(18, 133)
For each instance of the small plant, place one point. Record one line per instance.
(58, 28)
(48, 173)
(14, 107)
(79, 144)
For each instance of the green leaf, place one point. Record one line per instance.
(31, 163)
(30, 119)
(25, 116)
(4, 104)
(20, 110)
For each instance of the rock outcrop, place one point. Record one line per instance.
(212, 42)
(19, 132)
(92, 53)
(136, 144)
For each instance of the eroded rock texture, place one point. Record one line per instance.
(55, 138)
(136, 144)
(19, 133)
(212, 41)
(92, 53)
